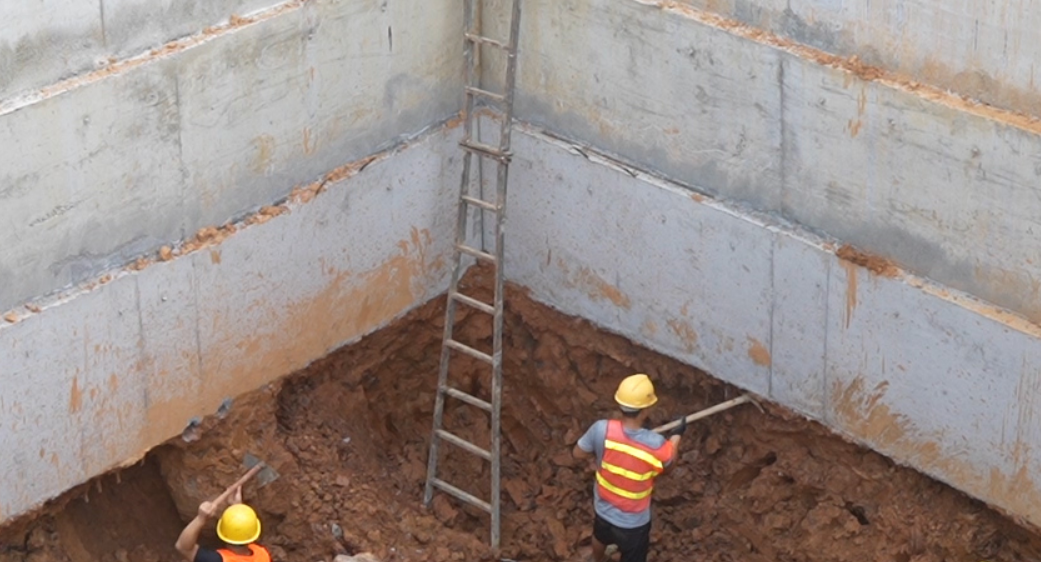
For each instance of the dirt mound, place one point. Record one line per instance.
(349, 436)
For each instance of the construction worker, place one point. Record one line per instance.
(238, 528)
(628, 459)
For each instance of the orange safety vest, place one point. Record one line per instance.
(257, 554)
(628, 469)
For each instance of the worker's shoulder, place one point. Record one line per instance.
(648, 438)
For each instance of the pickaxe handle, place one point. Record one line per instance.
(238, 483)
(744, 398)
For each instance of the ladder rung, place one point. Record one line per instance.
(476, 253)
(487, 41)
(459, 494)
(486, 205)
(470, 351)
(468, 398)
(474, 303)
(486, 151)
(485, 93)
(464, 444)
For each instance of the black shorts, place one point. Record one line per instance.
(632, 543)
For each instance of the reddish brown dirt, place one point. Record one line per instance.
(349, 437)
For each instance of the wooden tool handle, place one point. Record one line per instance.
(241, 481)
(706, 412)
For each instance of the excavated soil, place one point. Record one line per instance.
(349, 439)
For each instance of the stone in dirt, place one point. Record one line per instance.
(364, 557)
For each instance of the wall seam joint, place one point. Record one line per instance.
(827, 332)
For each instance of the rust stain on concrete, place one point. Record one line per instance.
(854, 127)
(75, 396)
(265, 150)
(864, 414)
(851, 289)
(685, 333)
(215, 256)
(246, 357)
(758, 352)
(597, 288)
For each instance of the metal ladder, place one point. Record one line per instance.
(500, 156)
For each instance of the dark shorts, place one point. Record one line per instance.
(632, 543)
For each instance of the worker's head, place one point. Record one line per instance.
(635, 395)
(239, 525)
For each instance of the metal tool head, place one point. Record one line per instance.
(266, 475)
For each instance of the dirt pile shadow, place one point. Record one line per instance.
(349, 437)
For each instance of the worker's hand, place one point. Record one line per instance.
(679, 429)
(208, 510)
(236, 497)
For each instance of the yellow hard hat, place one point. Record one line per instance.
(239, 525)
(636, 392)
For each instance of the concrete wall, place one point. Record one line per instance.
(947, 189)
(99, 378)
(103, 167)
(933, 378)
(49, 40)
(990, 51)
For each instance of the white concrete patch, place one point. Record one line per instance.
(895, 363)
(98, 380)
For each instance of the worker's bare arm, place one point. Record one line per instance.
(581, 454)
(188, 543)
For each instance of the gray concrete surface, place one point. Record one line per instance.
(931, 377)
(986, 50)
(45, 41)
(100, 378)
(148, 155)
(945, 190)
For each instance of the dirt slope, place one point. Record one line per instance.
(349, 437)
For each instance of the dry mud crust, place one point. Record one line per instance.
(349, 437)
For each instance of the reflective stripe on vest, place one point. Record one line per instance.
(258, 554)
(628, 468)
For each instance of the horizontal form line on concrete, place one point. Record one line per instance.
(779, 225)
(114, 67)
(209, 236)
(852, 65)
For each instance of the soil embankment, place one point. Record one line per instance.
(349, 438)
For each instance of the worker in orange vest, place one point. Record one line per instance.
(238, 528)
(628, 459)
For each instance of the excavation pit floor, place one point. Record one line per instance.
(349, 436)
